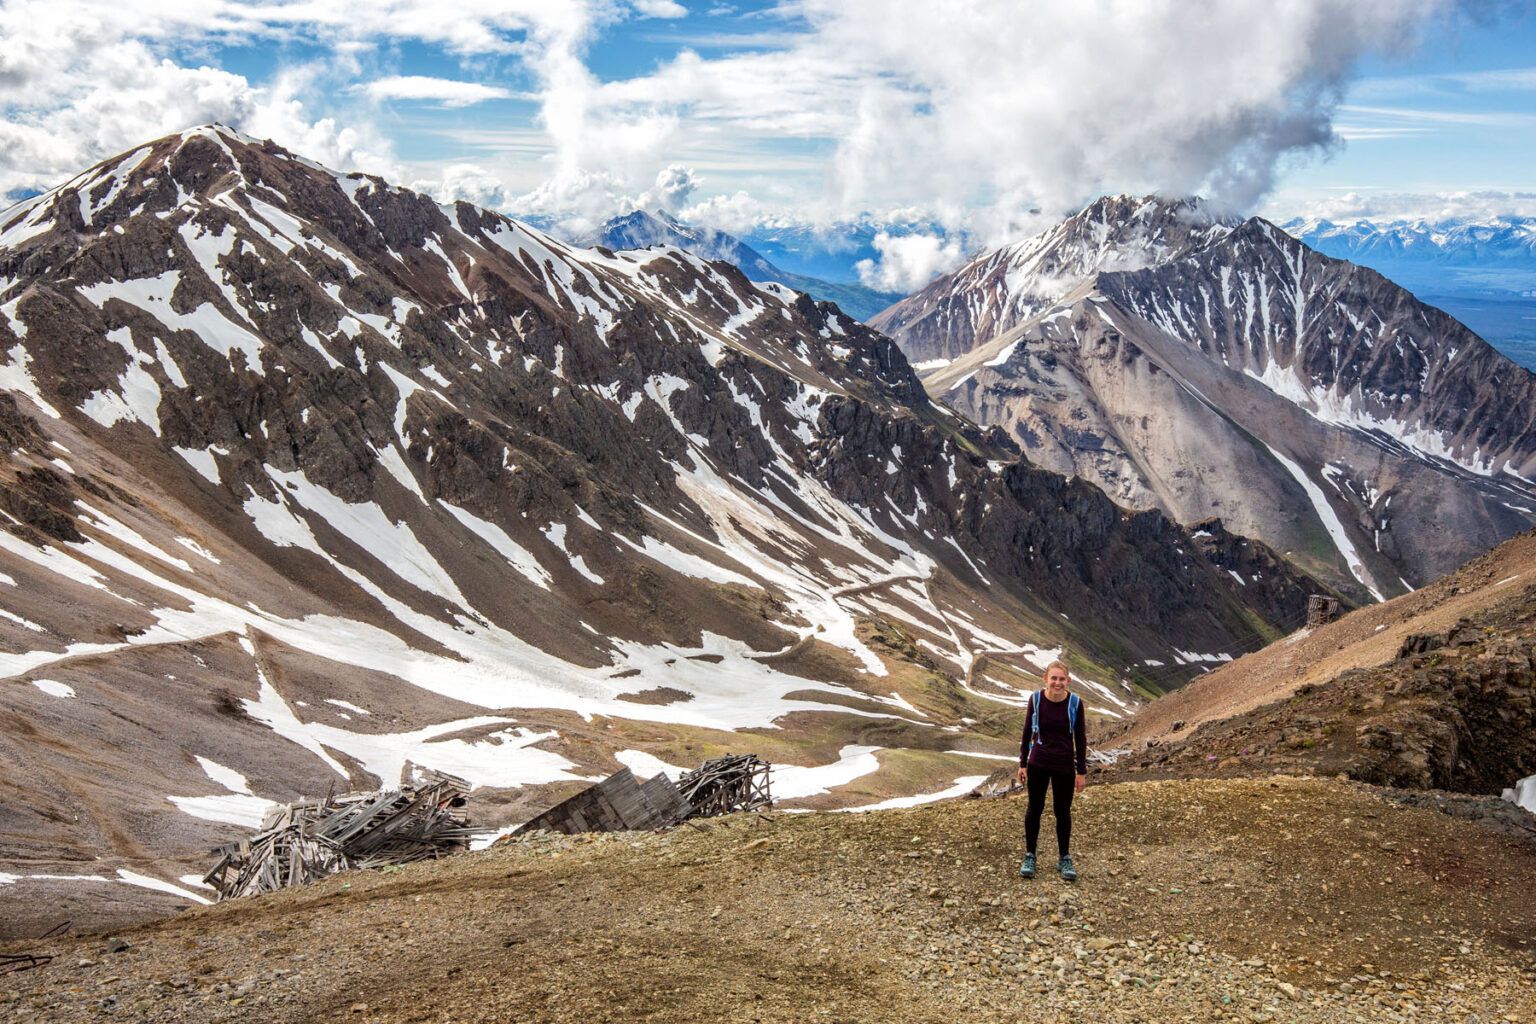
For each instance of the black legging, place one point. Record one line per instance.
(1062, 785)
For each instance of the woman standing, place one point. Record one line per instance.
(1055, 743)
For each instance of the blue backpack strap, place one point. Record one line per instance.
(1034, 729)
(1074, 704)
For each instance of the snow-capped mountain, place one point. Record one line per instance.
(1221, 369)
(1005, 287)
(641, 229)
(1501, 241)
(309, 479)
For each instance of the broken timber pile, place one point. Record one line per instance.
(10, 963)
(303, 843)
(736, 782)
(620, 803)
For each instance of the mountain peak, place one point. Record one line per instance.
(1018, 281)
(1057, 339)
(1151, 207)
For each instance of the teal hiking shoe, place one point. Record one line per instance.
(1027, 869)
(1068, 872)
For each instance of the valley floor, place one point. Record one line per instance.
(1271, 899)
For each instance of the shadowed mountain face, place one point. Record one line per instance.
(641, 229)
(1482, 272)
(1210, 368)
(309, 479)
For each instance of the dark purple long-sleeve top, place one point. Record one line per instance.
(1060, 748)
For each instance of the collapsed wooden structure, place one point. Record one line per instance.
(621, 803)
(724, 785)
(1322, 609)
(303, 843)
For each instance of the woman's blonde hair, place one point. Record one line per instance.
(1055, 664)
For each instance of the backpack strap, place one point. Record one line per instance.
(1074, 708)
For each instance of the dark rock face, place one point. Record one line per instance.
(1343, 330)
(336, 480)
(1465, 718)
(1225, 369)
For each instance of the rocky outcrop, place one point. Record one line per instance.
(1465, 716)
(1455, 710)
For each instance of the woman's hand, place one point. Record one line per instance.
(1022, 778)
(1082, 780)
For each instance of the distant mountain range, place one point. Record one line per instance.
(1505, 243)
(643, 228)
(1481, 272)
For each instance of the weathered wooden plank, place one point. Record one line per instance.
(307, 841)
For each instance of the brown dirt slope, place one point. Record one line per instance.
(1454, 710)
(1244, 899)
(1368, 637)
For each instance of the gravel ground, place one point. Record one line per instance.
(1223, 900)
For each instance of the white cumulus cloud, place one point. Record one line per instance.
(82, 80)
(907, 262)
(674, 185)
(445, 91)
(470, 183)
(991, 111)
(1482, 206)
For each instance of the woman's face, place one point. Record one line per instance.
(1056, 684)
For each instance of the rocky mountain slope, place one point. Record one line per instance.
(1433, 690)
(1481, 271)
(1274, 899)
(640, 229)
(999, 290)
(1209, 368)
(309, 480)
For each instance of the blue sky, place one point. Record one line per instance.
(1457, 115)
(982, 117)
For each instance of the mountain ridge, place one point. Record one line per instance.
(1480, 270)
(1010, 284)
(315, 481)
(1466, 241)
